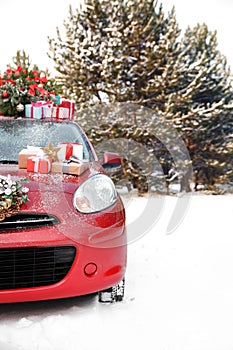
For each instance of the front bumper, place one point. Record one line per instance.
(99, 260)
(92, 270)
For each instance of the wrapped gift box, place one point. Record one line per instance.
(71, 168)
(33, 112)
(46, 111)
(70, 105)
(60, 113)
(26, 153)
(68, 149)
(39, 165)
(39, 110)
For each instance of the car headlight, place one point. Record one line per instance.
(95, 194)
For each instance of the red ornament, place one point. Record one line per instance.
(5, 94)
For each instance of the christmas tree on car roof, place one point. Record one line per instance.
(22, 84)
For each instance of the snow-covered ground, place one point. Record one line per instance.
(179, 292)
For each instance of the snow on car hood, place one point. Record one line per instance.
(49, 192)
(53, 194)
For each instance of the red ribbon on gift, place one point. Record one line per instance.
(56, 112)
(69, 148)
(32, 112)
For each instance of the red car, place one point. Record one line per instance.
(69, 238)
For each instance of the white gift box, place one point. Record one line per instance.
(68, 149)
(60, 113)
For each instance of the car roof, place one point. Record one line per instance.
(42, 120)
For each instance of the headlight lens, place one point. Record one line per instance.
(95, 194)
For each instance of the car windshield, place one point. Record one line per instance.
(17, 134)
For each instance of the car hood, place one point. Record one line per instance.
(52, 194)
(47, 192)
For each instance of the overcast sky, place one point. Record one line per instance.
(217, 14)
(25, 24)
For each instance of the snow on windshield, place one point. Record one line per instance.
(18, 134)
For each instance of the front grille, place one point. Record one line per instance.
(27, 220)
(34, 266)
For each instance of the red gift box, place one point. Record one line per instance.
(25, 153)
(70, 105)
(39, 165)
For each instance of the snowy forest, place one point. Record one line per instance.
(118, 53)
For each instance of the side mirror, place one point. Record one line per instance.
(111, 161)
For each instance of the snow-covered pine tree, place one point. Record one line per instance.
(21, 59)
(87, 58)
(202, 105)
(130, 51)
(115, 51)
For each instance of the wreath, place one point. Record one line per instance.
(12, 195)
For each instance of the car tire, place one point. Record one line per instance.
(112, 294)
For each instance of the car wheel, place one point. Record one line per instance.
(113, 294)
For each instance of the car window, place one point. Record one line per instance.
(18, 134)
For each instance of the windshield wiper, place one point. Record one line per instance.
(8, 161)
